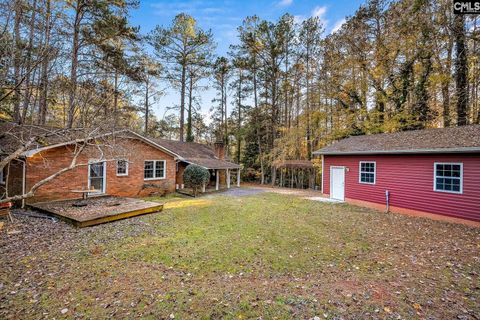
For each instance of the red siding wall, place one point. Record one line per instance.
(409, 180)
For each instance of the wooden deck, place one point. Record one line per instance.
(97, 210)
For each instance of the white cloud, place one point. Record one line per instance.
(298, 19)
(319, 12)
(338, 25)
(285, 3)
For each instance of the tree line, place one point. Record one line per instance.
(285, 88)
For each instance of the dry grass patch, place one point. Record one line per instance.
(268, 255)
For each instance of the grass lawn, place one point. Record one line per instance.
(267, 255)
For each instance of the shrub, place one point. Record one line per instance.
(195, 176)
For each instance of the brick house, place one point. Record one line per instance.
(121, 163)
(432, 172)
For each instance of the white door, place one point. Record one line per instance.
(96, 177)
(337, 183)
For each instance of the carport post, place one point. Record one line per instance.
(238, 177)
(217, 180)
(228, 178)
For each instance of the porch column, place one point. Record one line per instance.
(217, 180)
(228, 178)
(203, 188)
(238, 177)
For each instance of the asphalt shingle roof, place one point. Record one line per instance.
(14, 136)
(453, 139)
(196, 153)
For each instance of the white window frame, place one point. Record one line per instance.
(126, 168)
(104, 184)
(360, 172)
(154, 170)
(2, 177)
(435, 177)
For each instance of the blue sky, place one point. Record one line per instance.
(223, 17)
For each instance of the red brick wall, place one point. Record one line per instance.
(15, 172)
(181, 169)
(13, 179)
(136, 152)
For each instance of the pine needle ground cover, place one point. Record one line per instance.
(266, 255)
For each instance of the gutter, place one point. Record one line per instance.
(407, 151)
(233, 168)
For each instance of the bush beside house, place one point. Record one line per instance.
(195, 177)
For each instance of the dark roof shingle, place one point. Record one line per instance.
(14, 136)
(196, 153)
(453, 139)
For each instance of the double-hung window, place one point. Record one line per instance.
(154, 169)
(448, 177)
(122, 168)
(367, 172)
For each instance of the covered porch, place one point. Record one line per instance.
(300, 174)
(223, 174)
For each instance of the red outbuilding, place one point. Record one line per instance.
(432, 172)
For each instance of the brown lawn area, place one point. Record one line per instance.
(267, 255)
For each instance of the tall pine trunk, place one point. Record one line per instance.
(308, 137)
(17, 60)
(257, 122)
(239, 122)
(182, 101)
(225, 115)
(43, 104)
(74, 64)
(189, 114)
(461, 70)
(147, 107)
(115, 99)
(28, 63)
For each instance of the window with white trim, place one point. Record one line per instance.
(2, 177)
(448, 177)
(367, 172)
(155, 169)
(122, 167)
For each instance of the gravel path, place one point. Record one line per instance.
(240, 192)
(256, 189)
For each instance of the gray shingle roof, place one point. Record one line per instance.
(33, 137)
(444, 140)
(196, 153)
